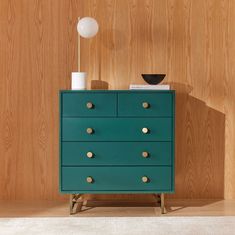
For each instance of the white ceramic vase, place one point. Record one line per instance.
(78, 81)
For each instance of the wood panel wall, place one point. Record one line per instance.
(192, 41)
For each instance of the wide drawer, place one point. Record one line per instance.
(116, 153)
(116, 129)
(116, 178)
(145, 104)
(89, 104)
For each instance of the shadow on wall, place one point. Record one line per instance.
(99, 85)
(199, 148)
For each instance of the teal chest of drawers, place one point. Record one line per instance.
(116, 141)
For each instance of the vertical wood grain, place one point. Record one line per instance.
(192, 41)
(229, 105)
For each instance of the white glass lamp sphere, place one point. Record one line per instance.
(87, 27)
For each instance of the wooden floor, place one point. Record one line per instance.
(118, 209)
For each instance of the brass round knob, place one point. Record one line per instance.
(145, 154)
(89, 154)
(145, 105)
(89, 131)
(145, 130)
(89, 105)
(89, 179)
(145, 179)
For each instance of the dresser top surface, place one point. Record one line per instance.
(117, 91)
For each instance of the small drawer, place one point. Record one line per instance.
(147, 104)
(88, 104)
(116, 153)
(117, 129)
(117, 178)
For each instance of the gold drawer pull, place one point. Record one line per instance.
(89, 180)
(145, 179)
(145, 105)
(145, 130)
(89, 154)
(89, 131)
(145, 154)
(89, 105)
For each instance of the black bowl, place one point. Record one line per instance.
(153, 79)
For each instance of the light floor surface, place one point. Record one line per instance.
(198, 225)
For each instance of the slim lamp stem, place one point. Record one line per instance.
(79, 51)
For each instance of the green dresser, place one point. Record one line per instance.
(116, 141)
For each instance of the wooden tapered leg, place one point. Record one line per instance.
(75, 203)
(162, 201)
(71, 204)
